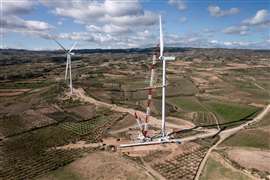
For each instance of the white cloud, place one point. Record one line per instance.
(180, 4)
(109, 23)
(26, 27)
(60, 23)
(240, 30)
(17, 7)
(108, 17)
(124, 13)
(188, 40)
(37, 25)
(108, 28)
(146, 19)
(11, 21)
(106, 40)
(216, 11)
(81, 11)
(209, 32)
(183, 19)
(122, 8)
(214, 41)
(260, 18)
(237, 43)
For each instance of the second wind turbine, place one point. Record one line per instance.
(68, 63)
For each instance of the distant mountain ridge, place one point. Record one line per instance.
(131, 50)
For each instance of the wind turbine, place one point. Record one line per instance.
(163, 59)
(68, 63)
(163, 137)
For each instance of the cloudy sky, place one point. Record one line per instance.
(30, 24)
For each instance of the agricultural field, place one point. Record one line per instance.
(216, 170)
(249, 149)
(45, 133)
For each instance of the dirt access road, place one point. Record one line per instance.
(80, 93)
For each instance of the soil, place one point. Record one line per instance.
(183, 124)
(105, 165)
(251, 158)
(78, 145)
(86, 112)
(125, 123)
(12, 92)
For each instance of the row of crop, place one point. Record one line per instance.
(30, 167)
(33, 154)
(183, 166)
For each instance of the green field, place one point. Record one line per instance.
(187, 103)
(204, 118)
(22, 85)
(229, 112)
(215, 170)
(255, 138)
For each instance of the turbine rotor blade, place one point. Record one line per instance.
(161, 44)
(66, 68)
(73, 46)
(60, 45)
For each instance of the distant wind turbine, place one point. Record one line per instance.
(68, 63)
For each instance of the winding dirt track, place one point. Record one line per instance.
(80, 93)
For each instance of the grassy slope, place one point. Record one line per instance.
(215, 170)
(250, 138)
(258, 137)
(229, 111)
(186, 103)
(61, 174)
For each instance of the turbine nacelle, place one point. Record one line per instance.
(169, 58)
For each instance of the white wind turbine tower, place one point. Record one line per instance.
(163, 59)
(68, 63)
(163, 137)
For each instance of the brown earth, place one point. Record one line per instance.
(86, 111)
(79, 145)
(171, 149)
(125, 123)
(251, 158)
(12, 92)
(105, 165)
